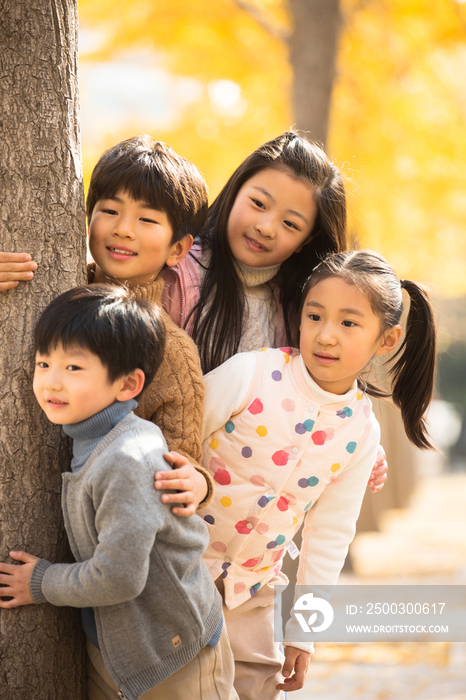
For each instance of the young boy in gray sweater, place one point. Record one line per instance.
(151, 612)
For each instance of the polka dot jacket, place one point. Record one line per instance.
(290, 446)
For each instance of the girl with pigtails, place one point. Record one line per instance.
(290, 436)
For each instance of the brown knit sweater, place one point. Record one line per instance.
(175, 398)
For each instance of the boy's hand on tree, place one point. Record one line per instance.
(298, 661)
(378, 475)
(190, 485)
(15, 267)
(17, 580)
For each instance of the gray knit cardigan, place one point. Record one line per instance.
(138, 565)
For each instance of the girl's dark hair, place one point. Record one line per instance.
(125, 332)
(412, 375)
(150, 171)
(220, 311)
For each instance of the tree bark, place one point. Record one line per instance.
(313, 48)
(42, 213)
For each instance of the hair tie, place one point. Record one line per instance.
(402, 283)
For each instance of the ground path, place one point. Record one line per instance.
(423, 544)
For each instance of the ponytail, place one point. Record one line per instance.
(414, 371)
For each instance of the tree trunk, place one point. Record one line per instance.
(42, 213)
(313, 47)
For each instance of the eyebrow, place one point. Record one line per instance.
(291, 211)
(144, 205)
(348, 310)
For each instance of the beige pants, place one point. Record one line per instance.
(209, 676)
(258, 659)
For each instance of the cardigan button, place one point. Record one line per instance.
(249, 526)
(295, 450)
(226, 559)
(270, 492)
(311, 408)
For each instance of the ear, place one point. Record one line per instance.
(131, 385)
(308, 240)
(389, 340)
(179, 250)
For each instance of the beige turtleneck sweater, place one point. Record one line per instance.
(261, 313)
(175, 398)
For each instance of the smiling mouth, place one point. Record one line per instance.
(325, 359)
(119, 251)
(252, 243)
(56, 403)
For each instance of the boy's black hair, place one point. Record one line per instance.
(151, 172)
(126, 333)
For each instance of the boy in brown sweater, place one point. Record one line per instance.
(145, 203)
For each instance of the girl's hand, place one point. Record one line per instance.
(378, 475)
(15, 267)
(17, 580)
(189, 484)
(297, 660)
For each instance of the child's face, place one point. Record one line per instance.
(339, 334)
(129, 240)
(72, 385)
(271, 218)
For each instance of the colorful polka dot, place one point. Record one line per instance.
(271, 545)
(277, 375)
(319, 437)
(230, 426)
(261, 431)
(280, 458)
(257, 480)
(225, 501)
(209, 519)
(308, 506)
(246, 452)
(335, 467)
(287, 357)
(239, 587)
(287, 351)
(262, 528)
(214, 444)
(311, 481)
(256, 407)
(263, 501)
(359, 396)
(367, 411)
(288, 405)
(345, 412)
(351, 446)
(222, 477)
(304, 427)
(250, 563)
(225, 566)
(283, 504)
(244, 527)
(219, 546)
(279, 555)
(253, 590)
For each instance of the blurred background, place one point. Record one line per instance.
(382, 84)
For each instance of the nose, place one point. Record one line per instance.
(265, 226)
(327, 334)
(123, 228)
(53, 380)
